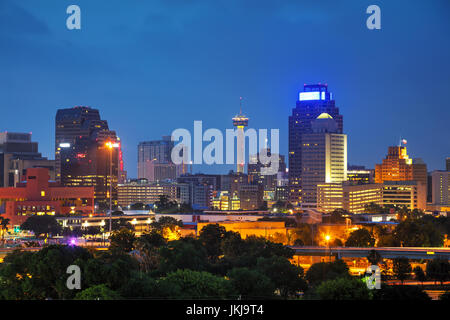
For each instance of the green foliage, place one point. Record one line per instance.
(322, 271)
(45, 224)
(188, 284)
(40, 275)
(286, 277)
(407, 292)
(186, 253)
(360, 238)
(251, 284)
(438, 270)
(140, 286)
(211, 237)
(417, 233)
(99, 292)
(347, 288)
(122, 240)
(166, 222)
(401, 268)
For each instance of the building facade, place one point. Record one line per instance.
(350, 197)
(440, 188)
(87, 153)
(38, 196)
(18, 153)
(411, 194)
(324, 158)
(313, 101)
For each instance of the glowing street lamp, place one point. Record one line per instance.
(110, 145)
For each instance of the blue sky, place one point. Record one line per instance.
(154, 66)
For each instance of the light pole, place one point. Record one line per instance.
(327, 239)
(110, 146)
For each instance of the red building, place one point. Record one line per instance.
(38, 195)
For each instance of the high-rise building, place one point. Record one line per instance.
(324, 157)
(347, 196)
(447, 164)
(240, 121)
(18, 153)
(440, 186)
(313, 101)
(155, 162)
(360, 175)
(397, 166)
(142, 191)
(87, 153)
(411, 194)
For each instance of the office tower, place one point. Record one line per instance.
(324, 157)
(397, 166)
(440, 186)
(87, 153)
(145, 192)
(18, 153)
(447, 164)
(155, 162)
(240, 121)
(347, 196)
(313, 101)
(411, 194)
(360, 175)
(201, 188)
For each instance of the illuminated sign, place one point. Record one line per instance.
(64, 145)
(304, 96)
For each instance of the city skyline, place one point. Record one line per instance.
(141, 78)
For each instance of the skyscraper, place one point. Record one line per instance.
(240, 121)
(82, 155)
(397, 166)
(313, 101)
(18, 153)
(324, 157)
(447, 164)
(154, 160)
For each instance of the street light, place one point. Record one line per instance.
(110, 146)
(327, 239)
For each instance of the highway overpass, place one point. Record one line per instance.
(385, 252)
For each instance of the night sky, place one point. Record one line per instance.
(153, 66)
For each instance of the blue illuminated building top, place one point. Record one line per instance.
(313, 92)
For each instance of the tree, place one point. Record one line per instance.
(286, 277)
(186, 253)
(438, 270)
(122, 240)
(168, 227)
(147, 247)
(251, 284)
(137, 206)
(401, 268)
(188, 284)
(98, 292)
(319, 272)
(45, 224)
(417, 233)
(338, 216)
(399, 292)
(3, 226)
(347, 288)
(374, 257)
(419, 274)
(211, 237)
(360, 238)
(41, 274)
(445, 296)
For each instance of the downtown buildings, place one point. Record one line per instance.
(313, 101)
(87, 153)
